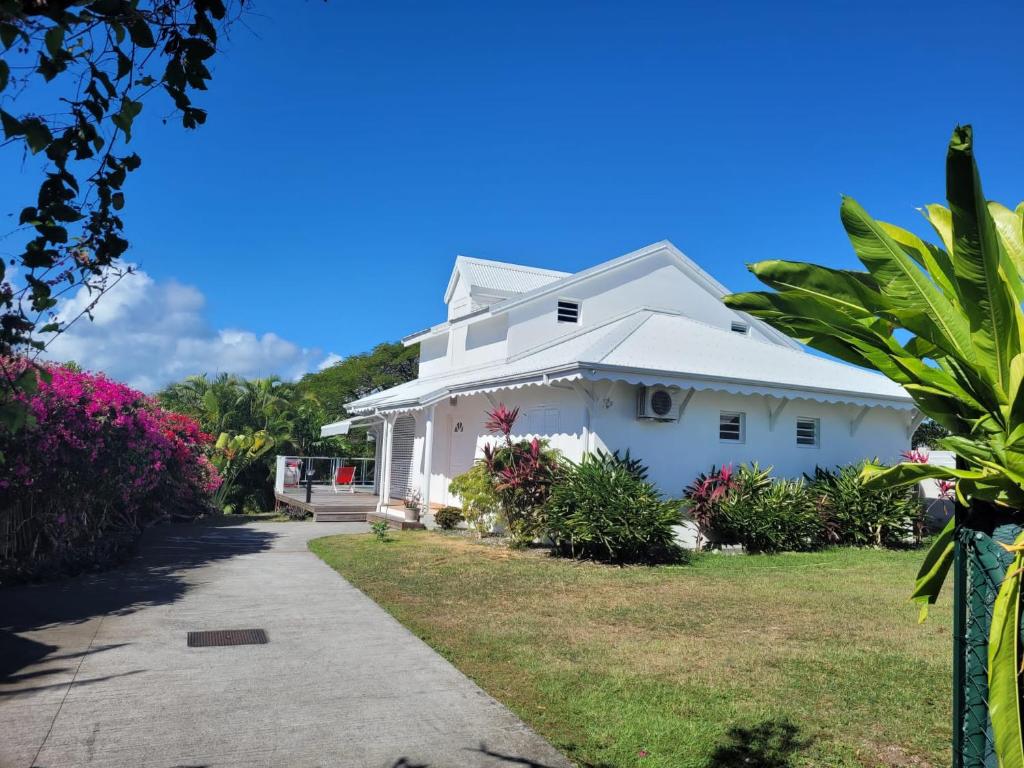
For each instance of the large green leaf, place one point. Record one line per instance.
(877, 476)
(1010, 226)
(1003, 668)
(932, 573)
(942, 222)
(849, 292)
(900, 278)
(935, 260)
(981, 264)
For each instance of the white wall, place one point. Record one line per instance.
(654, 282)
(434, 356)
(676, 452)
(539, 406)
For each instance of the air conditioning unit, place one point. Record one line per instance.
(656, 404)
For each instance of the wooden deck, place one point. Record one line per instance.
(326, 506)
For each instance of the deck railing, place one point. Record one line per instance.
(295, 471)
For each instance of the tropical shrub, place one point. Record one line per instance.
(745, 484)
(448, 518)
(232, 456)
(946, 323)
(613, 461)
(861, 516)
(96, 463)
(604, 510)
(702, 500)
(480, 500)
(706, 498)
(268, 412)
(775, 516)
(747, 506)
(523, 473)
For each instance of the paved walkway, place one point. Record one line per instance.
(95, 671)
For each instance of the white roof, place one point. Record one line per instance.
(650, 346)
(499, 277)
(520, 285)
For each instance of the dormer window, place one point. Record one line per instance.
(568, 311)
(738, 327)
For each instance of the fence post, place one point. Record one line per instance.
(959, 647)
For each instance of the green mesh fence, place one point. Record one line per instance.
(979, 569)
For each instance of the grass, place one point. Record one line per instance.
(795, 659)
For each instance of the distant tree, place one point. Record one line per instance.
(386, 365)
(237, 407)
(86, 69)
(928, 433)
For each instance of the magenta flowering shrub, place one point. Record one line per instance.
(97, 462)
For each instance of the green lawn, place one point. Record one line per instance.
(815, 655)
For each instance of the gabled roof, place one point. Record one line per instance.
(546, 281)
(498, 277)
(650, 346)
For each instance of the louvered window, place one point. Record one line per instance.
(402, 441)
(738, 327)
(731, 426)
(808, 432)
(568, 311)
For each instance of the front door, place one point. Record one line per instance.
(461, 450)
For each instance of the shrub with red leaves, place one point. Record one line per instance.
(704, 497)
(523, 472)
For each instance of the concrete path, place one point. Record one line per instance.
(95, 671)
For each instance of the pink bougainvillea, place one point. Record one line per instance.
(99, 457)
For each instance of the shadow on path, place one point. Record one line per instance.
(157, 575)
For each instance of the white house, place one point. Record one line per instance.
(636, 353)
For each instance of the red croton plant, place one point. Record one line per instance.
(523, 472)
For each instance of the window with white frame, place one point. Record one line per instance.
(731, 426)
(808, 432)
(738, 327)
(568, 311)
(542, 421)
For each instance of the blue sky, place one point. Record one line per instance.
(353, 149)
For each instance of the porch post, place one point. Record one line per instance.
(428, 456)
(385, 484)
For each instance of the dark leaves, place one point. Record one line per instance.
(140, 32)
(112, 54)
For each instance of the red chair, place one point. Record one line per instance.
(344, 476)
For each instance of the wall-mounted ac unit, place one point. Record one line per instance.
(656, 404)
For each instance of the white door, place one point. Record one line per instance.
(461, 450)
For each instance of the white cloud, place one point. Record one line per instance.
(149, 332)
(328, 361)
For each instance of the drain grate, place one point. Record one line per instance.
(213, 637)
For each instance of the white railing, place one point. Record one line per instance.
(296, 471)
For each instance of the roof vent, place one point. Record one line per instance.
(568, 311)
(738, 327)
(656, 404)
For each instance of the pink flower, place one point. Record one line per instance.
(916, 456)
